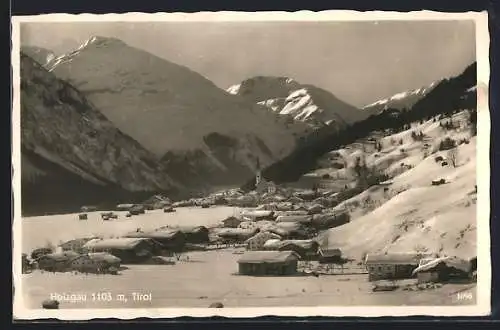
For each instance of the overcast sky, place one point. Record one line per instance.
(359, 62)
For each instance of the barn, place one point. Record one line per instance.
(262, 263)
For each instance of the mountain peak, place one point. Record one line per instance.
(102, 41)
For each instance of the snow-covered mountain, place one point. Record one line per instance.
(303, 103)
(399, 101)
(71, 153)
(41, 55)
(172, 110)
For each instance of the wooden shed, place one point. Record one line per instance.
(261, 263)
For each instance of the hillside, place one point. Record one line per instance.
(72, 154)
(399, 101)
(446, 97)
(304, 103)
(41, 55)
(407, 213)
(175, 112)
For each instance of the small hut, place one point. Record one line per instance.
(82, 216)
(268, 263)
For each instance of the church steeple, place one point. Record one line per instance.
(258, 176)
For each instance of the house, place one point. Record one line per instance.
(231, 222)
(56, 262)
(82, 216)
(257, 241)
(128, 249)
(442, 269)
(169, 239)
(290, 230)
(195, 235)
(236, 235)
(88, 208)
(75, 244)
(137, 209)
(37, 253)
(329, 220)
(303, 219)
(315, 209)
(264, 187)
(124, 207)
(257, 215)
(329, 255)
(387, 266)
(98, 263)
(307, 249)
(268, 263)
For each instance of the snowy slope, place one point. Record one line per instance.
(399, 101)
(413, 215)
(304, 103)
(168, 108)
(65, 139)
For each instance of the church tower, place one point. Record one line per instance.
(258, 175)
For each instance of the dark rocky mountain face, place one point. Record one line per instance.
(302, 103)
(41, 55)
(71, 153)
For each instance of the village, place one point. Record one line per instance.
(274, 231)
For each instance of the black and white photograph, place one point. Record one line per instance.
(244, 164)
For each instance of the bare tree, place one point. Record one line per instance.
(453, 156)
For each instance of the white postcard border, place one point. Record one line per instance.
(483, 171)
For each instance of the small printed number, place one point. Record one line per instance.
(464, 296)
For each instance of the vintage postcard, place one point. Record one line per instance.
(248, 164)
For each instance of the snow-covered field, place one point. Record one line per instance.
(43, 230)
(411, 215)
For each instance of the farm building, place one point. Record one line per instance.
(75, 244)
(137, 209)
(129, 250)
(37, 253)
(391, 265)
(257, 241)
(195, 235)
(56, 262)
(290, 230)
(231, 222)
(291, 213)
(99, 263)
(329, 255)
(88, 208)
(303, 219)
(306, 249)
(268, 263)
(124, 207)
(236, 235)
(257, 215)
(264, 187)
(442, 269)
(169, 239)
(157, 202)
(329, 220)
